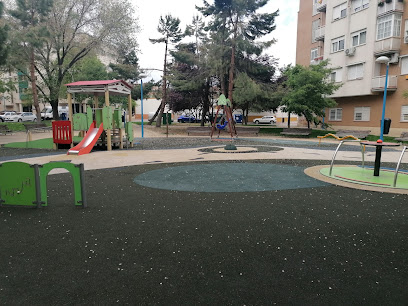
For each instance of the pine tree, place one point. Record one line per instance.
(239, 19)
(169, 29)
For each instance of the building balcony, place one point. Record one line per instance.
(319, 33)
(389, 7)
(321, 5)
(316, 60)
(378, 83)
(388, 45)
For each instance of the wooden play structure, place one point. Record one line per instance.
(102, 125)
(226, 121)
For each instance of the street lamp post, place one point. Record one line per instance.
(384, 60)
(141, 101)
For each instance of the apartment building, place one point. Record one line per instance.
(353, 34)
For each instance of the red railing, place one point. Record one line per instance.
(61, 132)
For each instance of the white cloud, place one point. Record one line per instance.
(149, 12)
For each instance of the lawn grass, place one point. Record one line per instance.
(376, 137)
(45, 143)
(19, 127)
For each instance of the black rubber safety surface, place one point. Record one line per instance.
(141, 245)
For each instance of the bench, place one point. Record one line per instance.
(198, 130)
(5, 130)
(36, 127)
(247, 130)
(403, 137)
(344, 134)
(360, 134)
(296, 132)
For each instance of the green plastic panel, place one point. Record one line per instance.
(89, 116)
(17, 184)
(80, 122)
(129, 131)
(117, 118)
(107, 117)
(98, 117)
(76, 177)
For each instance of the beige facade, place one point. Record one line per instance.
(353, 34)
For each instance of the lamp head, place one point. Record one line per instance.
(382, 60)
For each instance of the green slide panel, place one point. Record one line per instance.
(19, 184)
(129, 131)
(117, 117)
(77, 172)
(80, 122)
(98, 117)
(89, 116)
(107, 117)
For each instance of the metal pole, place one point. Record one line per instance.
(141, 99)
(398, 166)
(334, 157)
(384, 101)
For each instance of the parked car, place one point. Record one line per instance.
(186, 118)
(47, 114)
(20, 117)
(5, 114)
(265, 119)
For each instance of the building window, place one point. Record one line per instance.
(337, 44)
(335, 114)
(389, 25)
(358, 5)
(404, 65)
(362, 113)
(340, 11)
(314, 53)
(335, 75)
(355, 72)
(315, 26)
(404, 113)
(358, 38)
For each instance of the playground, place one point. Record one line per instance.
(177, 221)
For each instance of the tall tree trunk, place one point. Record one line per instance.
(34, 86)
(288, 119)
(232, 66)
(206, 103)
(163, 101)
(154, 116)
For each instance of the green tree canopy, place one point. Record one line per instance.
(308, 89)
(77, 27)
(4, 47)
(240, 25)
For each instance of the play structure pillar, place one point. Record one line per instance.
(95, 99)
(108, 131)
(70, 117)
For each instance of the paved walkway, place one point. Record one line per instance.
(120, 158)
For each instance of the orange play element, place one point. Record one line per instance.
(335, 136)
(379, 141)
(86, 145)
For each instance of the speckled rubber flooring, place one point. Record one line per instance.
(147, 245)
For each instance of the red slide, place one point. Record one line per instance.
(86, 145)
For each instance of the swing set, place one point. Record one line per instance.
(226, 120)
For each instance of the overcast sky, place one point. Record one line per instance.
(149, 12)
